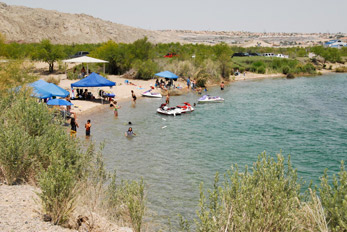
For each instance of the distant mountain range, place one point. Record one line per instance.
(26, 25)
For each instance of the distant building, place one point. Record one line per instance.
(336, 43)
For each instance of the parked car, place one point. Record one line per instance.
(79, 54)
(269, 54)
(282, 56)
(240, 54)
(254, 54)
(170, 55)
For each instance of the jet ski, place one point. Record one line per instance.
(149, 93)
(210, 99)
(186, 108)
(172, 111)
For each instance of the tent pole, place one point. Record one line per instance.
(104, 69)
(65, 71)
(87, 70)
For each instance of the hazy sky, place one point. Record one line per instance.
(241, 15)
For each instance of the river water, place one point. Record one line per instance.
(305, 117)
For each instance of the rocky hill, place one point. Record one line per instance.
(24, 24)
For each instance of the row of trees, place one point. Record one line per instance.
(147, 58)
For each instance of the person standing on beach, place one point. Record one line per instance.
(222, 85)
(188, 82)
(133, 96)
(116, 107)
(88, 125)
(74, 125)
(167, 98)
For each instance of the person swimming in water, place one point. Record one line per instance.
(130, 132)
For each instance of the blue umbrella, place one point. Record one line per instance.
(59, 102)
(167, 74)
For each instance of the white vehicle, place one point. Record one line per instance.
(269, 54)
(282, 56)
(210, 99)
(172, 111)
(149, 93)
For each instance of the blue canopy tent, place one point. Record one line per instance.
(167, 74)
(58, 102)
(40, 93)
(93, 80)
(51, 88)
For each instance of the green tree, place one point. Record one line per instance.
(49, 53)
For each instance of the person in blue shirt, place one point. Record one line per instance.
(188, 82)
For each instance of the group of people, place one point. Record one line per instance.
(162, 85)
(116, 107)
(83, 72)
(74, 125)
(191, 83)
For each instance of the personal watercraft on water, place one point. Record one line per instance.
(208, 99)
(186, 108)
(149, 93)
(173, 111)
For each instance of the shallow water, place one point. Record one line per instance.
(305, 117)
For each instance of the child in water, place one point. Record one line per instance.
(88, 125)
(116, 108)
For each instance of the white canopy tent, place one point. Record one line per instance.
(85, 59)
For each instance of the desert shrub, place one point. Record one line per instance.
(53, 80)
(16, 154)
(261, 70)
(59, 190)
(341, 69)
(309, 68)
(15, 73)
(146, 69)
(23, 122)
(267, 198)
(334, 199)
(127, 199)
(201, 82)
(285, 70)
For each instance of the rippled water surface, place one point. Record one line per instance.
(305, 117)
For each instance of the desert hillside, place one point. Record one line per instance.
(24, 24)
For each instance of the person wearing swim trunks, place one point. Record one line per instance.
(134, 96)
(222, 85)
(88, 125)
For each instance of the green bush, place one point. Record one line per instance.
(146, 69)
(285, 70)
(261, 70)
(129, 194)
(334, 199)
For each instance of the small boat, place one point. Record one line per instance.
(186, 108)
(149, 93)
(208, 99)
(173, 111)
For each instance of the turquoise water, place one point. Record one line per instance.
(305, 117)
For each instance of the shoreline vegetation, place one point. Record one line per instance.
(72, 187)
